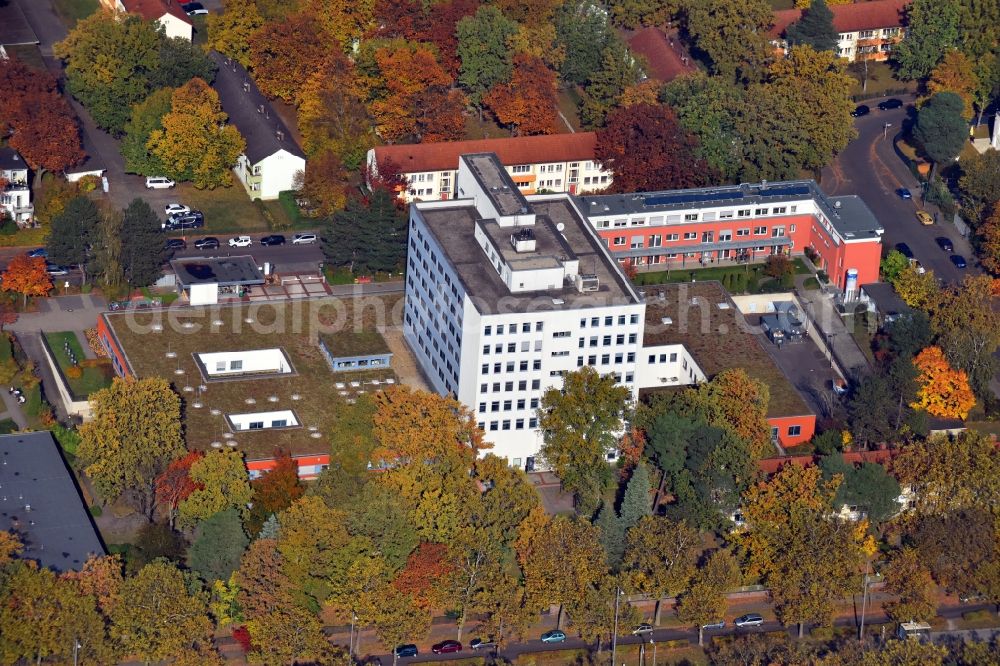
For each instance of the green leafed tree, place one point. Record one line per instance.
(134, 434)
(707, 106)
(218, 545)
(869, 487)
(580, 423)
(180, 61)
(72, 235)
(932, 29)
(815, 28)
(612, 534)
(941, 128)
(638, 13)
(368, 236)
(582, 30)
(732, 34)
(893, 264)
(142, 252)
(635, 502)
(618, 70)
(661, 555)
(909, 579)
(486, 59)
(147, 116)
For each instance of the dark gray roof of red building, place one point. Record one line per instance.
(224, 271)
(251, 112)
(40, 503)
(849, 215)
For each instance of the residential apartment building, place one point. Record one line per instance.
(167, 13)
(699, 227)
(865, 30)
(544, 163)
(506, 294)
(15, 195)
(272, 158)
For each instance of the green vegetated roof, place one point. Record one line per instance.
(717, 338)
(343, 344)
(147, 337)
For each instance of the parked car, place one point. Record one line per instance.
(158, 183)
(303, 239)
(860, 110)
(945, 243)
(721, 624)
(891, 103)
(904, 250)
(38, 252)
(644, 628)
(924, 218)
(408, 650)
(176, 244)
(554, 636)
(240, 241)
(273, 239)
(194, 9)
(480, 644)
(749, 620)
(192, 220)
(175, 209)
(207, 243)
(444, 647)
(958, 260)
(904, 193)
(56, 270)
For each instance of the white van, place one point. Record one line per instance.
(920, 631)
(158, 183)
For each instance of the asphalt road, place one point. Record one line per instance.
(870, 168)
(278, 255)
(662, 635)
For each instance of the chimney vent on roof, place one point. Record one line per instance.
(246, 86)
(523, 240)
(260, 108)
(280, 135)
(836, 204)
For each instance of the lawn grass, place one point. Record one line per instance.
(881, 81)
(7, 426)
(569, 104)
(226, 209)
(778, 5)
(71, 11)
(93, 378)
(485, 129)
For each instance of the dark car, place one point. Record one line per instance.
(945, 244)
(193, 220)
(860, 110)
(958, 260)
(176, 244)
(273, 239)
(891, 103)
(56, 270)
(904, 250)
(38, 252)
(444, 647)
(904, 193)
(207, 243)
(408, 650)
(194, 9)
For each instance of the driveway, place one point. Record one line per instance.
(870, 168)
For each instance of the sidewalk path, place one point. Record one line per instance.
(820, 309)
(14, 410)
(62, 313)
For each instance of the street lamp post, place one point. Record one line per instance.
(350, 644)
(864, 601)
(76, 651)
(614, 637)
(885, 130)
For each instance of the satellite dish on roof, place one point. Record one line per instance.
(560, 227)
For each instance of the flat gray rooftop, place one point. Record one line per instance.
(852, 218)
(225, 271)
(497, 183)
(39, 501)
(454, 226)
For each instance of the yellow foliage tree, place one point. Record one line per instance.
(955, 73)
(223, 482)
(944, 391)
(229, 33)
(918, 290)
(346, 21)
(989, 242)
(195, 143)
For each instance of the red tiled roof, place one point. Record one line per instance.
(880, 456)
(410, 158)
(850, 18)
(152, 10)
(665, 63)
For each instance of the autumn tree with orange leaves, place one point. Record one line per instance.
(283, 54)
(989, 241)
(28, 276)
(332, 112)
(175, 484)
(41, 125)
(944, 391)
(526, 103)
(274, 491)
(324, 183)
(422, 577)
